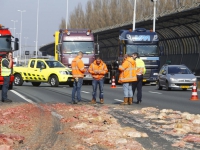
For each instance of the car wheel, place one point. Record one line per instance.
(53, 81)
(158, 87)
(167, 87)
(36, 83)
(18, 81)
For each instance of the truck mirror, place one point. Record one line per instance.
(97, 47)
(16, 45)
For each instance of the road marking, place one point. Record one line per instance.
(154, 92)
(85, 92)
(23, 97)
(118, 100)
(30, 101)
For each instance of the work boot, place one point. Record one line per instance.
(93, 101)
(130, 100)
(7, 101)
(101, 101)
(125, 101)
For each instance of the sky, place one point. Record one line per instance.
(50, 15)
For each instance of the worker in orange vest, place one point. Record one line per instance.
(78, 71)
(98, 69)
(126, 77)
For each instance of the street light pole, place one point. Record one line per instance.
(21, 11)
(134, 15)
(25, 48)
(36, 41)
(14, 29)
(67, 15)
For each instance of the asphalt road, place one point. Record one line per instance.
(162, 99)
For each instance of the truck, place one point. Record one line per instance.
(68, 42)
(142, 41)
(6, 46)
(43, 70)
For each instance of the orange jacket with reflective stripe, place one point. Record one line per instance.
(78, 67)
(98, 71)
(127, 71)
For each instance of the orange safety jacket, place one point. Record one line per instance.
(127, 71)
(78, 69)
(98, 71)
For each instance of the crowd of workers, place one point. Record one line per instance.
(131, 70)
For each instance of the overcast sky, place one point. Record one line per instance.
(50, 14)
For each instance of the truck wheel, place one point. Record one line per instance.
(18, 81)
(36, 83)
(53, 81)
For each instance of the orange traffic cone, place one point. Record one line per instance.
(113, 85)
(194, 96)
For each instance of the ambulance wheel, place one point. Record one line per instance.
(53, 81)
(36, 83)
(18, 81)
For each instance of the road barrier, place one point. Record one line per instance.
(113, 85)
(194, 96)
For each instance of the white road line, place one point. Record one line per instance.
(118, 100)
(30, 101)
(85, 92)
(154, 92)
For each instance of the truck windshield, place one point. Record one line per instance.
(54, 64)
(5, 43)
(75, 47)
(142, 50)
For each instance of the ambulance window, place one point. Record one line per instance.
(32, 64)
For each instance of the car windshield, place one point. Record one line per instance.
(178, 70)
(54, 64)
(75, 47)
(142, 50)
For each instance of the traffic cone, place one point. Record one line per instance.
(194, 96)
(113, 85)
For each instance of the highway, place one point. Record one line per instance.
(161, 99)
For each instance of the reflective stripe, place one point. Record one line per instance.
(4, 70)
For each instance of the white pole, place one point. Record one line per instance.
(21, 34)
(25, 48)
(36, 41)
(67, 15)
(134, 15)
(14, 33)
(154, 16)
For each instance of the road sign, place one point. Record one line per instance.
(26, 52)
(35, 53)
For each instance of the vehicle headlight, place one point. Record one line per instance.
(62, 72)
(194, 79)
(172, 79)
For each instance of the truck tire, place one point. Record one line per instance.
(18, 81)
(53, 81)
(36, 83)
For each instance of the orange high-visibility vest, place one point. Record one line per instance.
(101, 69)
(127, 71)
(78, 68)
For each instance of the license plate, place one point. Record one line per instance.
(184, 87)
(144, 80)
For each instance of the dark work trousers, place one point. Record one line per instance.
(6, 81)
(138, 84)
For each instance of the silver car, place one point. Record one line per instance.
(175, 76)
